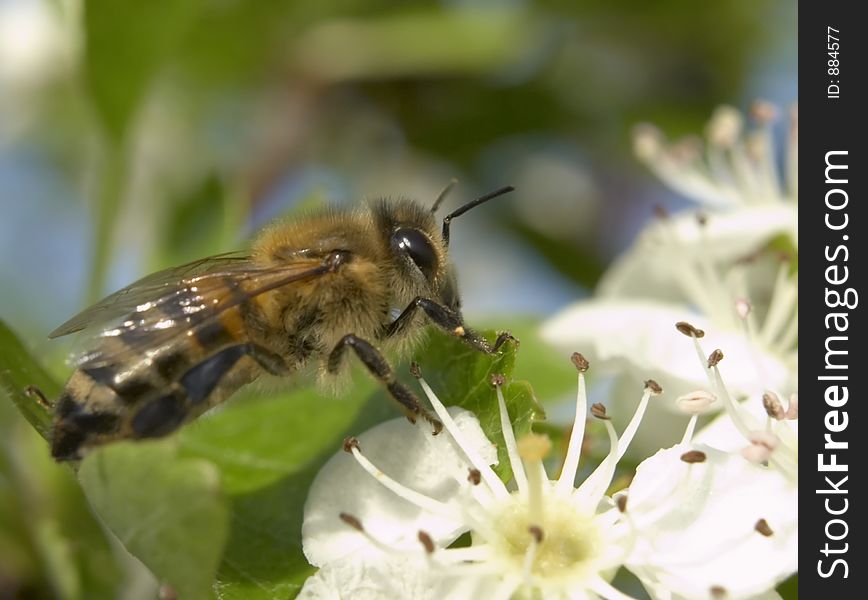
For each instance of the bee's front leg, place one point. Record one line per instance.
(35, 392)
(379, 368)
(447, 320)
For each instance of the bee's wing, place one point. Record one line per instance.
(159, 308)
(156, 287)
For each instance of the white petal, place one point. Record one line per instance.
(384, 579)
(696, 524)
(640, 336)
(431, 465)
(646, 270)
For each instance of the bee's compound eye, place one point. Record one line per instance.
(417, 247)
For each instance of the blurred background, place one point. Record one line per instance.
(137, 135)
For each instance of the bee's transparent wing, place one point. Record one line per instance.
(160, 308)
(156, 287)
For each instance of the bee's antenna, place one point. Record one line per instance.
(443, 195)
(463, 209)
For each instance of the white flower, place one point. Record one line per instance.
(706, 268)
(381, 519)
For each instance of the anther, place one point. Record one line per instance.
(762, 527)
(474, 476)
(714, 358)
(773, 406)
(427, 542)
(696, 402)
(689, 330)
(646, 141)
(718, 592)
(652, 385)
(599, 411)
(351, 521)
(742, 308)
(497, 379)
(621, 503)
(534, 446)
(793, 408)
(660, 212)
(350, 443)
(537, 533)
(693, 456)
(415, 370)
(701, 219)
(763, 112)
(580, 362)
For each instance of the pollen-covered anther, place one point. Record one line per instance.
(533, 447)
(718, 592)
(536, 533)
(762, 445)
(352, 521)
(725, 126)
(459, 331)
(621, 503)
(762, 527)
(474, 476)
(742, 308)
(497, 379)
(714, 358)
(647, 141)
(763, 112)
(599, 411)
(793, 408)
(689, 330)
(427, 542)
(693, 457)
(655, 387)
(773, 406)
(580, 362)
(696, 402)
(701, 219)
(415, 370)
(351, 443)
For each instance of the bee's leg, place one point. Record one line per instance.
(448, 321)
(379, 368)
(271, 362)
(35, 392)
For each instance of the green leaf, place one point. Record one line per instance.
(168, 511)
(18, 370)
(461, 376)
(126, 42)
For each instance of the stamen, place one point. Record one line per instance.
(652, 388)
(491, 479)
(474, 476)
(689, 330)
(762, 527)
(621, 502)
(594, 487)
(696, 402)
(725, 126)
(530, 556)
(599, 411)
(411, 496)
(718, 592)
(533, 448)
(693, 457)
(567, 478)
(773, 406)
(426, 542)
(714, 358)
(356, 524)
(509, 439)
(793, 408)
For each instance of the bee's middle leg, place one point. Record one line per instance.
(449, 321)
(379, 368)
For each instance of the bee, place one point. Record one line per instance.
(176, 343)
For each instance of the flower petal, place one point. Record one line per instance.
(721, 522)
(431, 465)
(645, 269)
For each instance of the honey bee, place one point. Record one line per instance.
(175, 343)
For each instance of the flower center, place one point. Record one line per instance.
(562, 546)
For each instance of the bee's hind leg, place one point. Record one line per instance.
(35, 392)
(450, 322)
(379, 368)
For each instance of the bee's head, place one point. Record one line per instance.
(419, 249)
